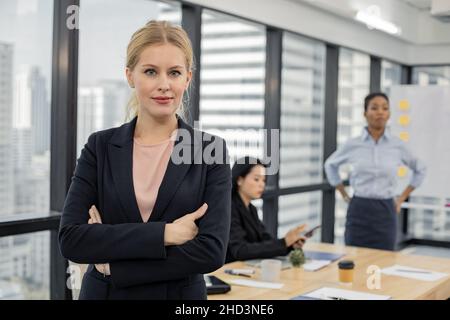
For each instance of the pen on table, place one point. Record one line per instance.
(336, 298)
(412, 271)
(235, 273)
(327, 297)
(245, 271)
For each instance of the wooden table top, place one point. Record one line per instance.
(297, 281)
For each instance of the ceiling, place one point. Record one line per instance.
(423, 5)
(341, 6)
(422, 39)
(413, 18)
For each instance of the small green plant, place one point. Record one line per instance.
(297, 258)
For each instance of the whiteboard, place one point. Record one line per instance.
(420, 116)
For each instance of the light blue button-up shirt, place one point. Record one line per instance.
(374, 165)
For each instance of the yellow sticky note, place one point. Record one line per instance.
(402, 171)
(404, 120)
(404, 135)
(403, 105)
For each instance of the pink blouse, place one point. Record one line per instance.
(149, 166)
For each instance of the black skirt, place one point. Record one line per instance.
(371, 223)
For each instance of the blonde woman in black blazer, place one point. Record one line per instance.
(164, 257)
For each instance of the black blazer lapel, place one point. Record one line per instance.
(120, 154)
(175, 173)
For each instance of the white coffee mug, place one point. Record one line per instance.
(270, 270)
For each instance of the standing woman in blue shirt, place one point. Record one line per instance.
(375, 157)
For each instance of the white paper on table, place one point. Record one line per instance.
(326, 293)
(314, 265)
(256, 284)
(422, 274)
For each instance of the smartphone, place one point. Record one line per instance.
(310, 233)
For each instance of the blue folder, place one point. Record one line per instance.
(319, 255)
(313, 255)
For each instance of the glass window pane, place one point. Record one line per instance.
(25, 266)
(302, 110)
(26, 32)
(424, 76)
(391, 74)
(103, 91)
(354, 85)
(429, 217)
(232, 82)
(295, 209)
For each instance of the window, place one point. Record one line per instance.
(429, 217)
(354, 85)
(25, 266)
(232, 83)
(25, 89)
(300, 208)
(424, 76)
(103, 91)
(391, 74)
(302, 111)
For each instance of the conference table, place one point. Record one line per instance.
(298, 281)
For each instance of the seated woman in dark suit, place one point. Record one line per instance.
(249, 238)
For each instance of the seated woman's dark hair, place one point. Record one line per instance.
(241, 168)
(372, 95)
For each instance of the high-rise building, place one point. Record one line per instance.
(31, 135)
(10, 291)
(6, 101)
(25, 115)
(32, 108)
(100, 107)
(89, 113)
(40, 112)
(24, 189)
(6, 260)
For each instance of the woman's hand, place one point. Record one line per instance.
(183, 229)
(398, 204)
(300, 242)
(405, 195)
(293, 235)
(95, 218)
(343, 192)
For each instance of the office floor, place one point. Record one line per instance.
(427, 251)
